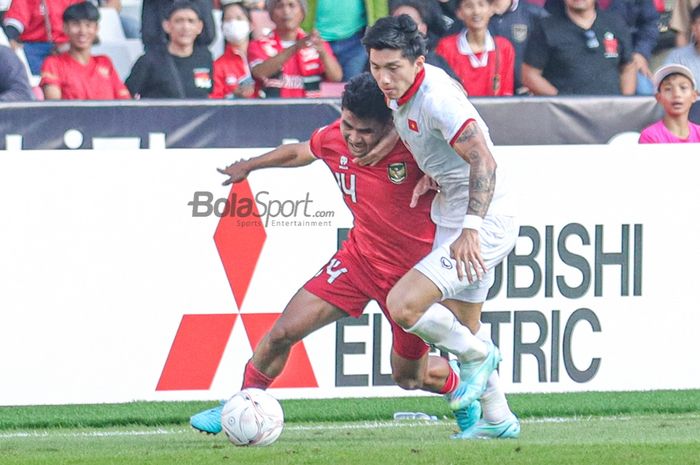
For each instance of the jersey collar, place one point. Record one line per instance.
(395, 104)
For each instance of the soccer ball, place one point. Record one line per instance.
(252, 417)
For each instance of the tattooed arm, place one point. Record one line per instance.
(471, 145)
(466, 250)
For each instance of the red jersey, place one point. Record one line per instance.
(27, 16)
(386, 232)
(488, 73)
(96, 80)
(229, 70)
(300, 76)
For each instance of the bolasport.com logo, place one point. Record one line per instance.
(262, 209)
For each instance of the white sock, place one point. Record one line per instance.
(438, 326)
(493, 401)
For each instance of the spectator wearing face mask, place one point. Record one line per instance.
(232, 78)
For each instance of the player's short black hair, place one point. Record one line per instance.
(396, 33)
(364, 99)
(178, 5)
(81, 11)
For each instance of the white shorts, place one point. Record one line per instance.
(497, 235)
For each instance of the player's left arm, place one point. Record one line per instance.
(470, 144)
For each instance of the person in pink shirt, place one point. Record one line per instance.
(675, 91)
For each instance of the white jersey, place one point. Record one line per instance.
(428, 118)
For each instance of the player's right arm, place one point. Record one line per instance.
(284, 156)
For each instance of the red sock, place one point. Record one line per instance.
(451, 383)
(254, 378)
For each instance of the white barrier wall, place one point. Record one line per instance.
(119, 282)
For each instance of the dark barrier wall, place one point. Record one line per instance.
(188, 124)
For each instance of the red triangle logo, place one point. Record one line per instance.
(196, 352)
(239, 238)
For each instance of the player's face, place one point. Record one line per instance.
(183, 27)
(361, 135)
(475, 14)
(287, 15)
(676, 94)
(81, 33)
(393, 72)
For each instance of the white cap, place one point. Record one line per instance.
(665, 71)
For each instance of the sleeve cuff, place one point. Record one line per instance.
(472, 222)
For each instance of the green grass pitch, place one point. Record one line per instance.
(656, 427)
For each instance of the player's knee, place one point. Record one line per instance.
(400, 309)
(408, 383)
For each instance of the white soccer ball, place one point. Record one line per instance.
(252, 417)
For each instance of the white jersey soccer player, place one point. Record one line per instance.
(441, 298)
(428, 118)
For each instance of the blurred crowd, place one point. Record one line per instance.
(307, 48)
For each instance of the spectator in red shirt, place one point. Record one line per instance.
(36, 25)
(78, 74)
(289, 63)
(484, 63)
(232, 78)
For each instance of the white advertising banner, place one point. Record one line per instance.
(135, 275)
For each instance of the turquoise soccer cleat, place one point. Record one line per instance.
(507, 429)
(473, 377)
(469, 416)
(208, 421)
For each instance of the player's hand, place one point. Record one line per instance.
(425, 184)
(466, 250)
(236, 172)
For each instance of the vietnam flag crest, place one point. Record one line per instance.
(412, 125)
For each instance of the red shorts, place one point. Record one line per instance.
(349, 283)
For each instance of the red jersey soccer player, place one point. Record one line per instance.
(387, 239)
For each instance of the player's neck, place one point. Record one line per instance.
(180, 50)
(81, 56)
(677, 125)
